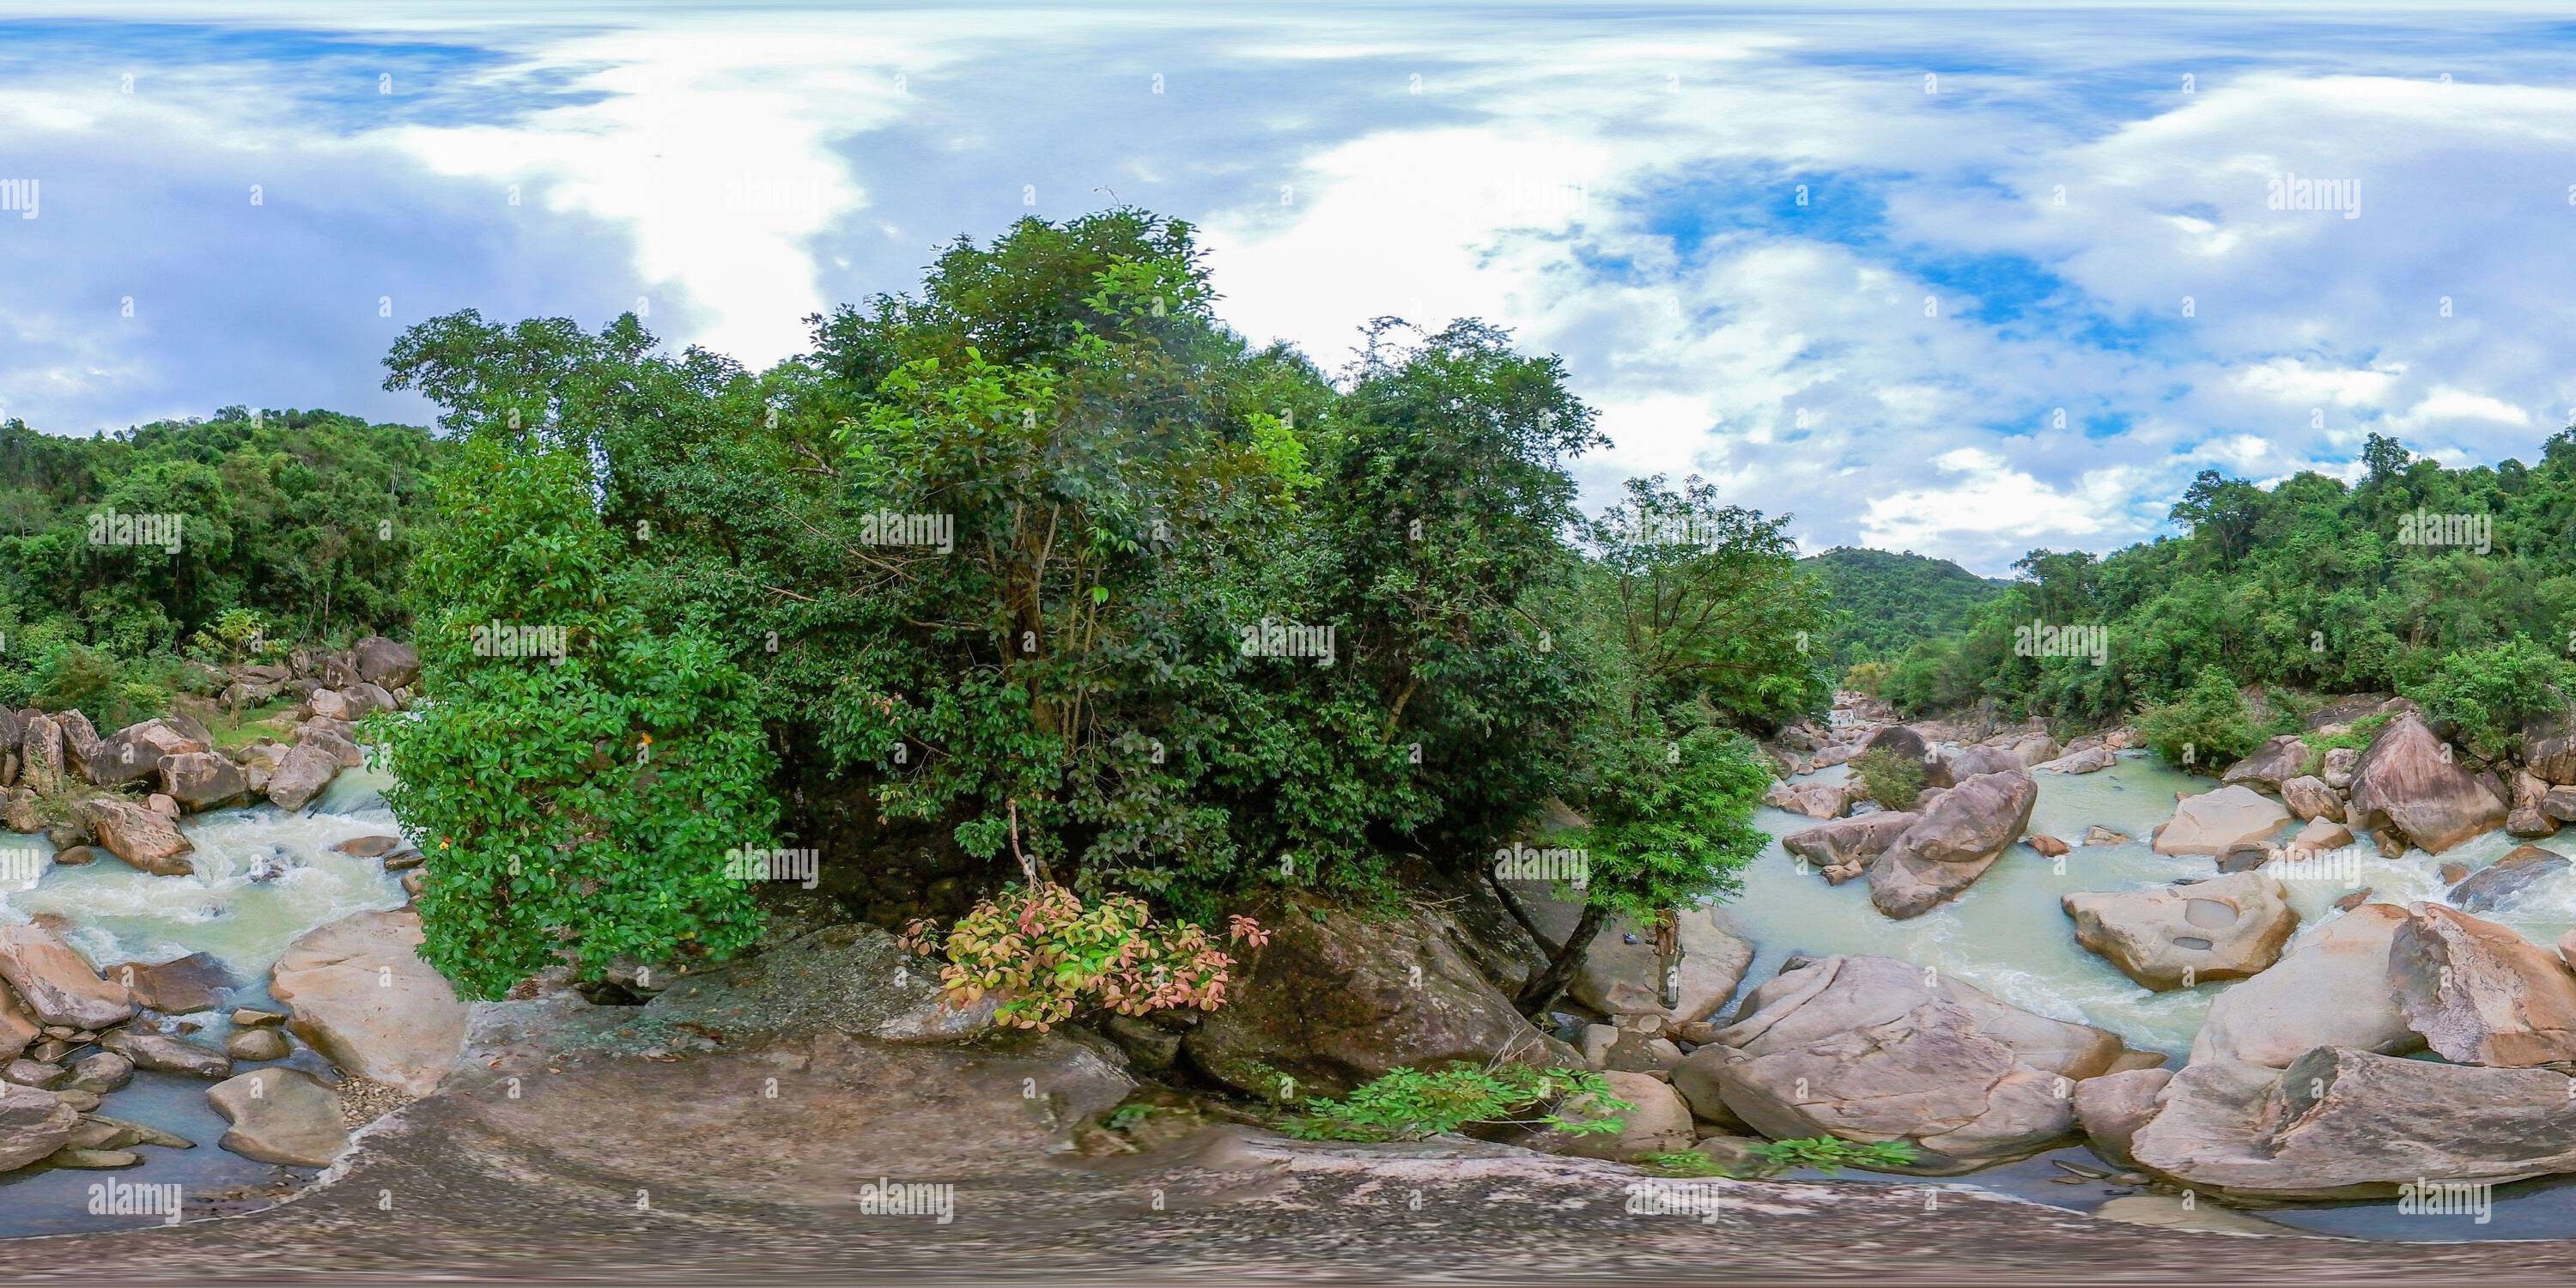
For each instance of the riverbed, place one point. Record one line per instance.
(2007, 935)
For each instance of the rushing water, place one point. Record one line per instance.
(115, 913)
(2007, 935)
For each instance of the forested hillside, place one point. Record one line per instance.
(1889, 602)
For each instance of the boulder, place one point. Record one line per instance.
(33, 1124)
(367, 699)
(168, 1054)
(2345, 1124)
(2549, 748)
(280, 1116)
(2560, 804)
(385, 662)
(2332, 990)
(135, 752)
(1621, 973)
(40, 756)
(2215, 822)
(2048, 845)
(2507, 879)
(2032, 747)
(301, 776)
(1907, 743)
(19, 812)
(1815, 800)
(2310, 799)
(31, 1073)
(80, 742)
(2089, 760)
(357, 991)
(2278, 760)
(2338, 767)
(1981, 759)
(202, 780)
(2528, 818)
(1849, 842)
(2481, 994)
(1660, 1123)
(146, 839)
(56, 984)
(2100, 835)
(369, 847)
(2112, 1107)
(18, 1029)
(1869, 1049)
(2320, 836)
(101, 1072)
(1957, 839)
(2407, 780)
(2178, 936)
(181, 987)
(329, 704)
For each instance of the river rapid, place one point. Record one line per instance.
(2007, 935)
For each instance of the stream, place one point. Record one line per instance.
(2007, 935)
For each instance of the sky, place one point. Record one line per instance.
(1963, 282)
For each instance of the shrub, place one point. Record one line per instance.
(2486, 694)
(2206, 727)
(1049, 957)
(1866, 677)
(1411, 1104)
(1892, 779)
(1829, 1155)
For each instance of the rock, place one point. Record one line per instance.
(40, 752)
(2033, 747)
(129, 1134)
(189, 984)
(1815, 800)
(2178, 936)
(2279, 759)
(2407, 780)
(142, 838)
(2507, 879)
(20, 813)
(369, 847)
(2481, 994)
(101, 1072)
(135, 752)
(2215, 822)
(2309, 798)
(81, 1101)
(1660, 1123)
(2452, 873)
(1334, 1004)
(1972, 761)
(2110, 1108)
(247, 1017)
(404, 860)
(163, 804)
(2089, 760)
(168, 1054)
(55, 983)
(1865, 1048)
(2549, 747)
(33, 1124)
(256, 1045)
(2100, 835)
(2167, 1212)
(1734, 1153)
(1953, 844)
(80, 743)
(301, 776)
(18, 1029)
(2345, 1124)
(202, 780)
(95, 1160)
(1622, 978)
(357, 991)
(2559, 803)
(333, 736)
(384, 662)
(31, 1073)
(2338, 767)
(2355, 899)
(329, 704)
(2528, 819)
(2048, 845)
(78, 856)
(2332, 990)
(1907, 743)
(413, 883)
(367, 699)
(2320, 836)
(1850, 842)
(280, 1116)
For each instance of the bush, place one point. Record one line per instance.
(1411, 1104)
(1049, 957)
(2207, 727)
(1866, 677)
(2486, 694)
(1892, 779)
(1829, 1155)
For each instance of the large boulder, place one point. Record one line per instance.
(2530, 818)
(168, 1054)
(2215, 822)
(385, 662)
(2481, 994)
(1958, 837)
(1982, 759)
(56, 984)
(1902, 741)
(80, 742)
(33, 1124)
(135, 752)
(2508, 879)
(1622, 972)
(1660, 1123)
(1869, 1049)
(2275, 762)
(2334, 989)
(202, 780)
(139, 835)
(2344, 1124)
(2407, 781)
(2549, 748)
(181, 987)
(2178, 936)
(280, 1116)
(357, 991)
(1336, 1003)
(301, 775)
(40, 750)
(2089, 760)
(2112, 1107)
(1853, 842)
(2310, 799)
(1815, 800)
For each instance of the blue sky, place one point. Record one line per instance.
(1964, 282)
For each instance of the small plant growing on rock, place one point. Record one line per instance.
(1411, 1104)
(1891, 779)
(1049, 956)
(1829, 1154)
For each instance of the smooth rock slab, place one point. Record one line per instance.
(357, 991)
(2332, 990)
(2481, 994)
(2213, 823)
(188, 984)
(2508, 879)
(33, 1124)
(168, 1054)
(2178, 936)
(55, 983)
(280, 1116)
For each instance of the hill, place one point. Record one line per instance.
(1892, 601)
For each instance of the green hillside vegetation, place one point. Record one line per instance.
(1888, 602)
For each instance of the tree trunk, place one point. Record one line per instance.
(1569, 959)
